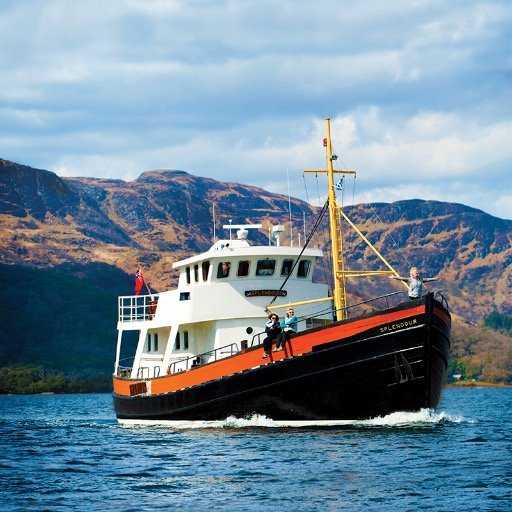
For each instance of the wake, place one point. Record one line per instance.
(424, 417)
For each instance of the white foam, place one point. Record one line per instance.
(422, 417)
(396, 419)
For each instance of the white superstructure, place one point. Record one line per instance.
(218, 307)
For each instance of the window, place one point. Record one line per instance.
(187, 270)
(303, 270)
(196, 273)
(206, 268)
(243, 268)
(265, 267)
(184, 295)
(287, 267)
(223, 269)
(181, 336)
(148, 342)
(155, 342)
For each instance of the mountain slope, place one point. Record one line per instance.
(70, 246)
(166, 215)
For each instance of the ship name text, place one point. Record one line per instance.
(265, 293)
(398, 326)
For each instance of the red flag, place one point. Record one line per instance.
(139, 282)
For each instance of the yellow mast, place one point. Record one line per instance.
(338, 263)
(339, 292)
(336, 214)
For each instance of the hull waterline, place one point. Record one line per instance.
(396, 365)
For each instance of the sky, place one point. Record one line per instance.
(419, 93)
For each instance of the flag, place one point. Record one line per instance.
(339, 185)
(139, 282)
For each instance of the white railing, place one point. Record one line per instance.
(137, 308)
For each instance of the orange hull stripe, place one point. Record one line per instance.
(252, 358)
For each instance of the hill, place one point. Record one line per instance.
(69, 247)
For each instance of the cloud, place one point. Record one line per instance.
(419, 92)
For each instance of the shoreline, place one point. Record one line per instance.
(476, 384)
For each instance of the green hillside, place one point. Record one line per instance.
(59, 332)
(59, 325)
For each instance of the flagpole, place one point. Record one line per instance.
(139, 268)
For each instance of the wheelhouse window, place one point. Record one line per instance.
(177, 343)
(303, 270)
(148, 342)
(205, 266)
(265, 267)
(185, 340)
(286, 268)
(243, 268)
(155, 342)
(187, 271)
(196, 273)
(223, 269)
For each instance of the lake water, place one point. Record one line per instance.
(67, 452)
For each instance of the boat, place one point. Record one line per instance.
(195, 353)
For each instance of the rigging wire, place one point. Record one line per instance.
(393, 240)
(317, 223)
(306, 188)
(327, 272)
(318, 190)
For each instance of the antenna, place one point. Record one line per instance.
(231, 226)
(289, 208)
(304, 221)
(213, 215)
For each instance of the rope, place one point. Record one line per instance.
(318, 190)
(306, 188)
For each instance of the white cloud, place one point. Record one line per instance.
(419, 92)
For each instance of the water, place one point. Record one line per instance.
(62, 453)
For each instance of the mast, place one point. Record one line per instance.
(336, 215)
(338, 263)
(339, 292)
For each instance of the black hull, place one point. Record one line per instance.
(371, 374)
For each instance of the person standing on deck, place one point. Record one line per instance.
(415, 283)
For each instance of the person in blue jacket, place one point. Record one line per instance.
(289, 325)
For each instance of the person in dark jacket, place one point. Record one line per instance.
(272, 330)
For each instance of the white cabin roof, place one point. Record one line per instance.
(241, 248)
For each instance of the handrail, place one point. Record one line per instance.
(197, 360)
(257, 335)
(439, 297)
(136, 308)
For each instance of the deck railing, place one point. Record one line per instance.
(187, 363)
(137, 308)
